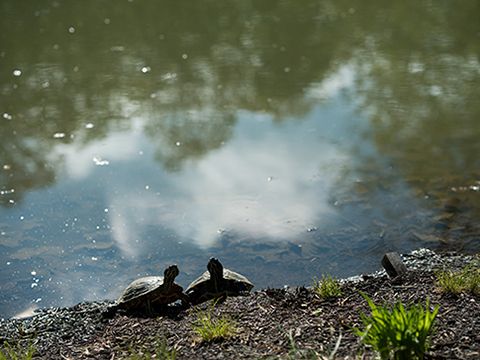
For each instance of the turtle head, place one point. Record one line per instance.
(215, 268)
(170, 274)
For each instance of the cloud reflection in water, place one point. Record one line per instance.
(267, 182)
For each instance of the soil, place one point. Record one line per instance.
(272, 323)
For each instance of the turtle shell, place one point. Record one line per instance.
(217, 282)
(149, 291)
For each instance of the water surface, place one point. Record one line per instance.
(285, 138)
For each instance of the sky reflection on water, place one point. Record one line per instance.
(286, 138)
(268, 182)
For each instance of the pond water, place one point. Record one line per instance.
(286, 138)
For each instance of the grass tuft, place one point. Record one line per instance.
(327, 287)
(212, 327)
(467, 280)
(396, 333)
(10, 352)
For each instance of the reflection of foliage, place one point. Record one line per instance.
(421, 90)
(419, 86)
(204, 134)
(208, 61)
(189, 70)
(22, 165)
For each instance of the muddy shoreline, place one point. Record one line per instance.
(273, 323)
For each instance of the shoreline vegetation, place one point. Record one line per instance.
(436, 302)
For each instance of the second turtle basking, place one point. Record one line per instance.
(146, 293)
(216, 283)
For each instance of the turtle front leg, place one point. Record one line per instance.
(184, 298)
(149, 310)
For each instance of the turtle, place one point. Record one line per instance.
(216, 283)
(149, 291)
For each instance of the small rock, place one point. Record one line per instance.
(393, 264)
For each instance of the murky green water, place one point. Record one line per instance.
(286, 138)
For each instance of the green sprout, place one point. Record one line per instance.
(468, 280)
(327, 287)
(210, 327)
(396, 333)
(17, 352)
